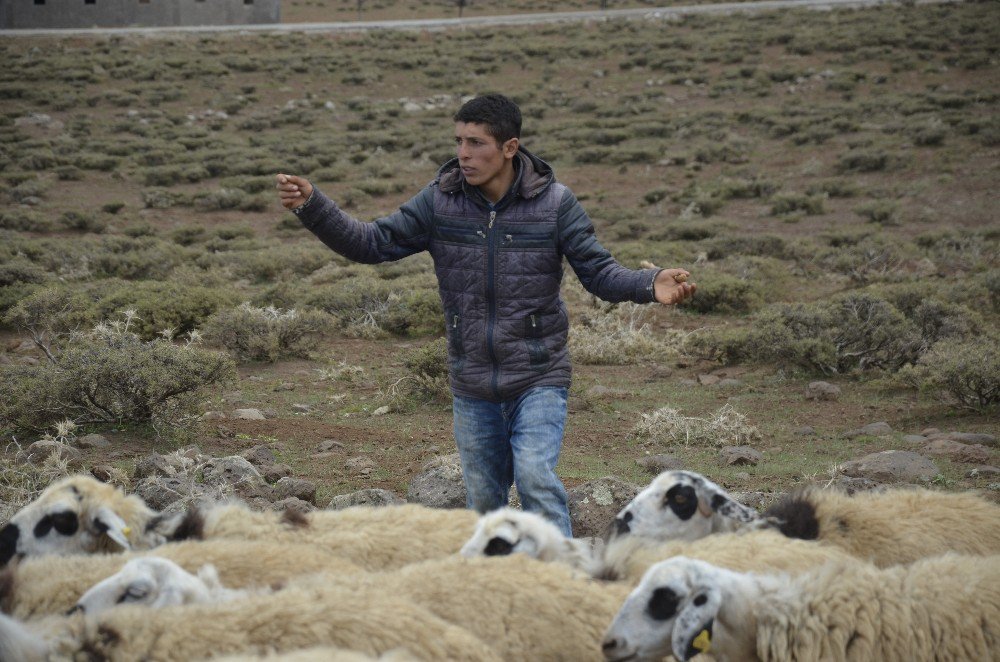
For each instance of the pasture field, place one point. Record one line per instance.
(829, 178)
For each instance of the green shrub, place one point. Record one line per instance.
(417, 313)
(967, 373)
(110, 375)
(82, 221)
(618, 336)
(854, 332)
(24, 220)
(885, 212)
(265, 334)
(428, 366)
(723, 293)
(865, 161)
(160, 305)
(787, 203)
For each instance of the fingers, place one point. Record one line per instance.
(292, 190)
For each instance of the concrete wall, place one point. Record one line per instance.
(140, 13)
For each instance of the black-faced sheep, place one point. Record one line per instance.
(47, 585)
(509, 531)
(79, 514)
(372, 537)
(940, 608)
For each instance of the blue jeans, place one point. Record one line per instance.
(514, 442)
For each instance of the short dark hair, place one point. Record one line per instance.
(500, 115)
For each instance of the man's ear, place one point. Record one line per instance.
(510, 148)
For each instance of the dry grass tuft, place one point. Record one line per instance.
(726, 427)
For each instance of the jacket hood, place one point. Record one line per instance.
(533, 176)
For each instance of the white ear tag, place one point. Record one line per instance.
(110, 524)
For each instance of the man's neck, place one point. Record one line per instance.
(495, 189)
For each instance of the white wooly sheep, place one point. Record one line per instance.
(376, 538)
(53, 584)
(322, 654)
(509, 531)
(155, 582)
(320, 614)
(627, 559)
(80, 514)
(683, 505)
(527, 609)
(896, 526)
(940, 608)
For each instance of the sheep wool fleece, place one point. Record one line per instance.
(499, 268)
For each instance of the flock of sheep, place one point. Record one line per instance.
(683, 570)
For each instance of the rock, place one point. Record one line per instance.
(232, 470)
(295, 487)
(757, 500)
(657, 464)
(822, 391)
(879, 429)
(442, 460)
(248, 414)
(739, 456)
(439, 487)
(593, 505)
(293, 504)
(967, 437)
(708, 380)
(369, 497)
(329, 445)
(359, 464)
(892, 467)
(38, 452)
(928, 432)
(275, 472)
(914, 438)
(102, 472)
(160, 492)
(983, 472)
(260, 456)
(155, 464)
(728, 382)
(285, 386)
(269, 412)
(804, 431)
(958, 452)
(302, 408)
(213, 416)
(851, 485)
(381, 411)
(686, 383)
(92, 441)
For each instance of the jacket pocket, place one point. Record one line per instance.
(456, 351)
(534, 335)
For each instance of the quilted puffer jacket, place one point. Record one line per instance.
(499, 268)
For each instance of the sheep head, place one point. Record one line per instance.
(509, 531)
(152, 581)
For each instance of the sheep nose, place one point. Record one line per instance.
(613, 648)
(8, 543)
(621, 524)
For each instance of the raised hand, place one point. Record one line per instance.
(293, 191)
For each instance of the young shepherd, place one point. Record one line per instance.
(53, 584)
(941, 608)
(80, 514)
(375, 538)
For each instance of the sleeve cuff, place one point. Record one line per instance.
(304, 207)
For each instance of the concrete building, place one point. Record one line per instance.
(15, 14)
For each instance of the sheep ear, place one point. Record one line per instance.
(729, 507)
(108, 523)
(704, 507)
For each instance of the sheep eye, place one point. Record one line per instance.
(680, 499)
(133, 594)
(498, 547)
(700, 600)
(65, 523)
(662, 604)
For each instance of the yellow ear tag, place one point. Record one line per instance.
(127, 530)
(703, 641)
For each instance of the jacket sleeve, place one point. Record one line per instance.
(393, 237)
(599, 272)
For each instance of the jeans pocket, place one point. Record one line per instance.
(534, 334)
(456, 351)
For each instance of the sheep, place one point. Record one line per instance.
(892, 527)
(319, 614)
(376, 538)
(507, 531)
(79, 514)
(895, 526)
(155, 582)
(526, 608)
(52, 585)
(322, 654)
(939, 608)
(682, 505)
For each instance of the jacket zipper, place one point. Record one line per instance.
(491, 304)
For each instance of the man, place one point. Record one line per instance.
(497, 224)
